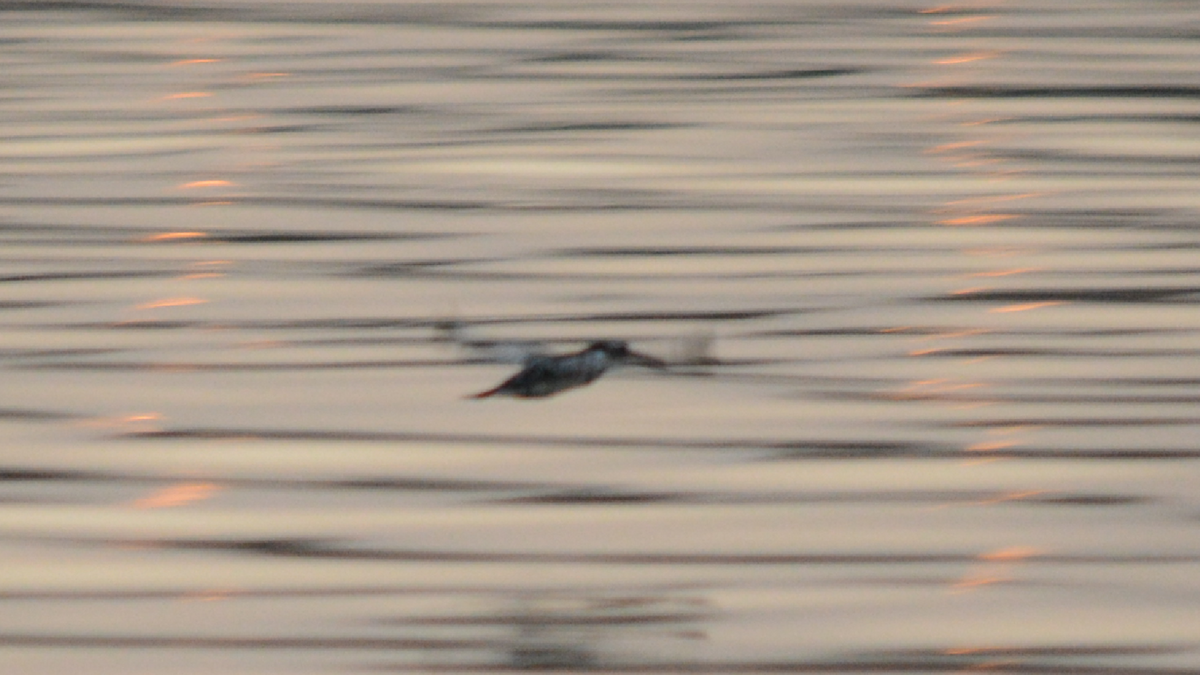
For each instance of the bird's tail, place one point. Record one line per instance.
(484, 394)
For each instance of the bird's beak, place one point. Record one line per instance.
(640, 359)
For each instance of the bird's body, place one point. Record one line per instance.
(548, 375)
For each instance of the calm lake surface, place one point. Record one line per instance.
(927, 276)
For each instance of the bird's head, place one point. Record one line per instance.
(619, 351)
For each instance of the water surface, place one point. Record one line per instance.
(926, 275)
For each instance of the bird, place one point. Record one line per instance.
(545, 375)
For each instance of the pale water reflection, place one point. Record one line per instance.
(925, 274)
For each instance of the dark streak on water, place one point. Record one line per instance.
(328, 549)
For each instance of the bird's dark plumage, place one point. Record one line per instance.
(548, 375)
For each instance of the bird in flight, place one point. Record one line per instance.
(545, 375)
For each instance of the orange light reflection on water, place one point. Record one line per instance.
(970, 290)
(1007, 273)
(943, 390)
(969, 332)
(979, 219)
(205, 184)
(960, 7)
(193, 62)
(172, 236)
(1012, 554)
(970, 582)
(1025, 307)
(993, 450)
(997, 569)
(948, 147)
(139, 422)
(968, 58)
(971, 147)
(1010, 497)
(177, 495)
(171, 302)
(961, 20)
(206, 269)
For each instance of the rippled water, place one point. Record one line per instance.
(927, 276)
